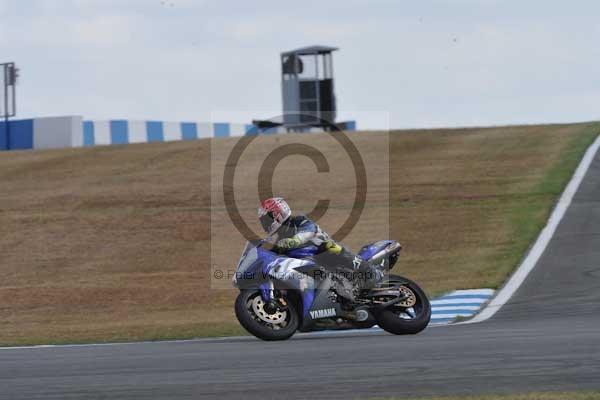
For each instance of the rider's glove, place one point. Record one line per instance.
(332, 247)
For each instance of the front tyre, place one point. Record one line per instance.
(410, 316)
(278, 325)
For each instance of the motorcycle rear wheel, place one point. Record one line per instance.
(250, 313)
(401, 320)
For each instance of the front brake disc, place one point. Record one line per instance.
(258, 306)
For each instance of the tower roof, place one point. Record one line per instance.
(316, 49)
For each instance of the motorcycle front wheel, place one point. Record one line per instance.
(278, 325)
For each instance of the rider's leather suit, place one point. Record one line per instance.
(299, 232)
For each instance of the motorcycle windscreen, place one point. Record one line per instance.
(248, 258)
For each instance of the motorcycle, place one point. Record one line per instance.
(280, 295)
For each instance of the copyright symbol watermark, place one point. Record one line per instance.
(338, 179)
(279, 154)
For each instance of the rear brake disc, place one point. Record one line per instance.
(410, 300)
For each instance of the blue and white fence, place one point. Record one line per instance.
(72, 131)
(125, 131)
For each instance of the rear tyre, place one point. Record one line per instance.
(250, 312)
(401, 320)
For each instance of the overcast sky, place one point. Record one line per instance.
(429, 63)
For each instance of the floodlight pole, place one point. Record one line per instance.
(5, 108)
(7, 130)
(11, 73)
(6, 125)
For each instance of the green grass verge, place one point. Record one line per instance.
(149, 334)
(593, 395)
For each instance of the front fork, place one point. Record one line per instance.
(267, 290)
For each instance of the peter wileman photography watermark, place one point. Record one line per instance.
(336, 177)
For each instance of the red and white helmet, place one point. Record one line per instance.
(273, 213)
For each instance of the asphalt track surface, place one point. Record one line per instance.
(546, 338)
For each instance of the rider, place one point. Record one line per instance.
(295, 232)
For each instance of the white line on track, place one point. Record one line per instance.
(359, 332)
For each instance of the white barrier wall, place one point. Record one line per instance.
(41, 133)
(57, 132)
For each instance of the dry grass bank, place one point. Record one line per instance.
(111, 243)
